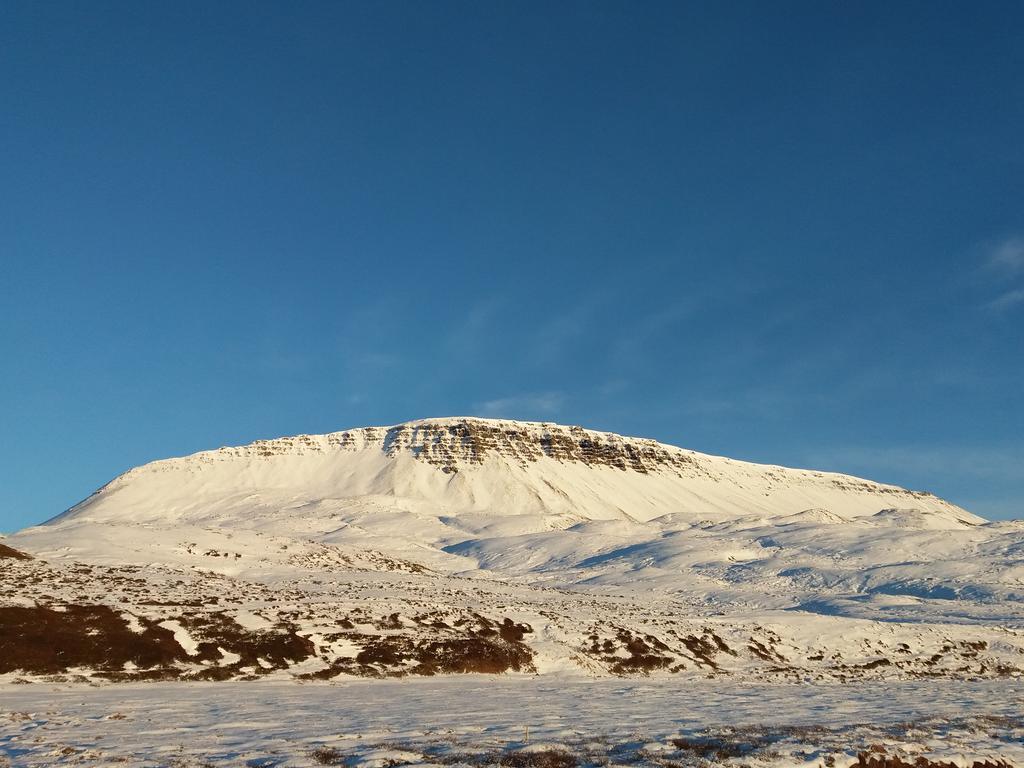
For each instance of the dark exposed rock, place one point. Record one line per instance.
(446, 444)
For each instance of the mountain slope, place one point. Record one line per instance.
(492, 467)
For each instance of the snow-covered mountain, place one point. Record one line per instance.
(496, 468)
(552, 546)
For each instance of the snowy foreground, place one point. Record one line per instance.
(480, 720)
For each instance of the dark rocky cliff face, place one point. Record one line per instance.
(454, 444)
(446, 444)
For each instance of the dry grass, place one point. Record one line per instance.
(327, 756)
(548, 758)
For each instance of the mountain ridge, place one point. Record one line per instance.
(499, 457)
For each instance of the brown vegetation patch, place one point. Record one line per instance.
(40, 640)
(873, 759)
(389, 622)
(12, 553)
(396, 656)
(472, 655)
(547, 758)
(513, 633)
(883, 662)
(275, 648)
(541, 758)
(711, 748)
(645, 654)
(763, 652)
(327, 756)
(704, 649)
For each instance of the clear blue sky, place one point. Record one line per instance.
(787, 232)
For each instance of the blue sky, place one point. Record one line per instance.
(790, 233)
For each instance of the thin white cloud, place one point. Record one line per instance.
(1008, 255)
(1005, 259)
(1002, 464)
(613, 387)
(524, 406)
(997, 508)
(1007, 301)
(630, 348)
(556, 337)
(995, 471)
(476, 327)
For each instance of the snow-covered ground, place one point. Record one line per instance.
(329, 600)
(548, 505)
(480, 720)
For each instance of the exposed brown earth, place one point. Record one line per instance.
(11, 553)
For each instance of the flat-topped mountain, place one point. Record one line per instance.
(470, 465)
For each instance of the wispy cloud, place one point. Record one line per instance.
(613, 387)
(1006, 259)
(991, 464)
(556, 337)
(988, 478)
(1007, 301)
(1008, 255)
(523, 406)
(995, 508)
(630, 347)
(475, 328)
